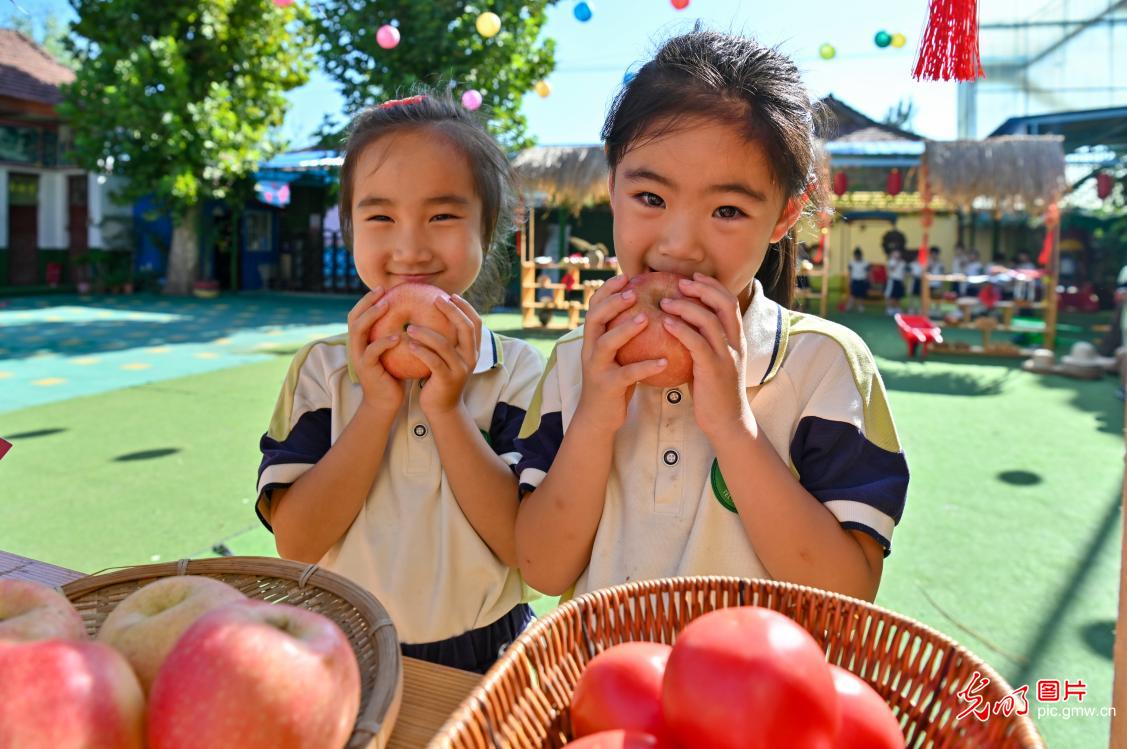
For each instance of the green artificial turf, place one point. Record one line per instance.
(1009, 543)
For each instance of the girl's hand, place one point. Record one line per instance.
(714, 336)
(451, 362)
(382, 392)
(607, 386)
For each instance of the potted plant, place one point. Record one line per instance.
(84, 268)
(205, 288)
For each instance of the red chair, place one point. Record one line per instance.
(917, 330)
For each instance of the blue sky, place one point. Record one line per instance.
(592, 57)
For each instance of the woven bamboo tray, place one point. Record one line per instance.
(522, 702)
(363, 619)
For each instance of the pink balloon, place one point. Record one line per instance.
(387, 37)
(471, 100)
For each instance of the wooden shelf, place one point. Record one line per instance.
(530, 292)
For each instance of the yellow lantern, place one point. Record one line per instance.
(488, 24)
(543, 88)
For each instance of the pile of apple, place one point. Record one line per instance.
(737, 678)
(183, 662)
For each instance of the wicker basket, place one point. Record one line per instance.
(363, 619)
(523, 701)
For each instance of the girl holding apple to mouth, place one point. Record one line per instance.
(774, 453)
(408, 489)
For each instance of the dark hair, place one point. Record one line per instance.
(492, 175)
(729, 79)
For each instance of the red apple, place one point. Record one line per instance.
(867, 722)
(146, 625)
(655, 342)
(30, 611)
(749, 678)
(410, 304)
(620, 689)
(256, 675)
(617, 740)
(66, 694)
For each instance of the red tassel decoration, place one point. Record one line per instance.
(949, 48)
(924, 254)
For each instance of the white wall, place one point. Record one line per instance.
(3, 207)
(53, 210)
(102, 207)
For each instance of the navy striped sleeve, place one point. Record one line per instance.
(524, 366)
(542, 431)
(862, 484)
(283, 461)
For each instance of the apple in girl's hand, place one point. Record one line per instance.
(256, 675)
(30, 611)
(655, 342)
(146, 625)
(410, 304)
(67, 693)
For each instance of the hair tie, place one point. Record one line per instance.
(402, 102)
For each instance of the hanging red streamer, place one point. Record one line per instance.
(922, 258)
(949, 47)
(1052, 218)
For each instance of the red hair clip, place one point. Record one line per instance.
(402, 102)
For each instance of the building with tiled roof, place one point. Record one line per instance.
(28, 74)
(50, 210)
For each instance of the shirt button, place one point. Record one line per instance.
(670, 457)
(673, 396)
(420, 430)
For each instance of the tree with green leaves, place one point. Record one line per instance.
(439, 45)
(182, 99)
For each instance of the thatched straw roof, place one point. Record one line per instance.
(1012, 171)
(571, 176)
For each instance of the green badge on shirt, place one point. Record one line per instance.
(720, 489)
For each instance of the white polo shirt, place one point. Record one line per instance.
(816, 395)
(411, 545)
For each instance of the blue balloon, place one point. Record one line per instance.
(583, 12)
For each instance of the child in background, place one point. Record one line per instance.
(779, 459)
(408, 490)
(894, 288)
(935, 268)
(1025, 287)
(858, 281)
(974, 271)
(959, 267)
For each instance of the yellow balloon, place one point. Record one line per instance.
(899, 40)
(543, 88)
(488, 24)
